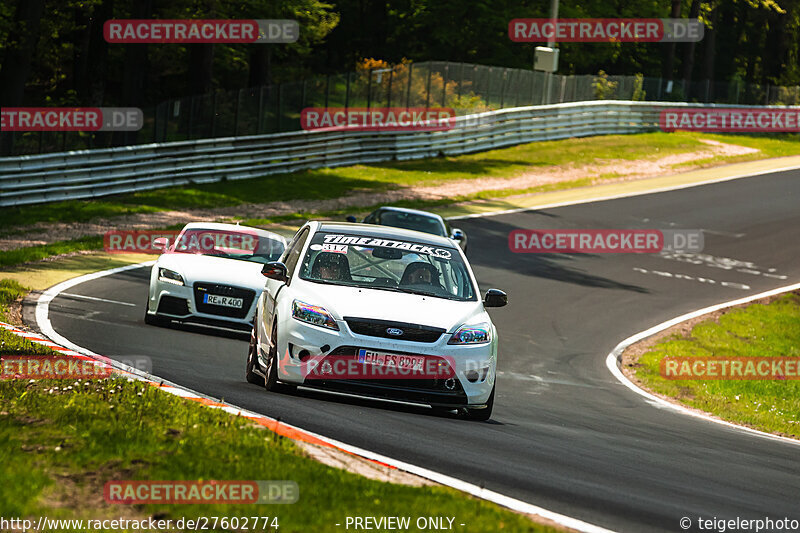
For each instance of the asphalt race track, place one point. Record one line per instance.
(565, 434)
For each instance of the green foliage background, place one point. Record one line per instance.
(755, 41)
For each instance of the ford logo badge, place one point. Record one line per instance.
(394, 332)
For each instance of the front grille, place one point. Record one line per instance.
(378, 328)
(170, 305)
(201, 289)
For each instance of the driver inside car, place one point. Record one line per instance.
(331, 266)
(420, 273)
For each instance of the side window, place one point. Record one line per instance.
(293, 254)
(289, 247)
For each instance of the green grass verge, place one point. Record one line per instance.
(326, 183)
(29, 254)
(12, 291)
(763, 330)
(769, 145)
(60, 442)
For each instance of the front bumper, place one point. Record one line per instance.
(183, 304)
(473, 365)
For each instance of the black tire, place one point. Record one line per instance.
(271, 372)
(482, 415)
(252, 361)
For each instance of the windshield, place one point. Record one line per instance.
(387, 264)
(241, 244)
(425, 224)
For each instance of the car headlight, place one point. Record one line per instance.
(169, 276)
(313, 314)
(477, 334)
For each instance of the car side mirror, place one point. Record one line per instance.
(458, 235)
(495, 298)
(351, 218)
(275, 270)
(161, 243)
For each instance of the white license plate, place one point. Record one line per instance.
(411, 362)
(224, 301)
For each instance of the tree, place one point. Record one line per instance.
(21, 42)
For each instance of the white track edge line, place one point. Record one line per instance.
(624, 194)
(96, 299)
(43, 304)
(44, 324)
(613, 360)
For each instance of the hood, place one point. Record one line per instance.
(389, 305)
(211, 269)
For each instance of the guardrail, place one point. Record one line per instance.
(96, 173)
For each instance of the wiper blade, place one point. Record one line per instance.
(383, 288)
(422, 293)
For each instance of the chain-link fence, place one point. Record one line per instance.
(467, 88)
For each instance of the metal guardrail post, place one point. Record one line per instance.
(444, 85)
(489, 87)
(389, 89)
(503, 87)
(408, 88)
(461, 81)
(428, 90)
(369, 89)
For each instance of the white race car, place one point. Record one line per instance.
(211, 275)
(380, 312)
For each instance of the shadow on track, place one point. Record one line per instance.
(489, 248)
(318, 395)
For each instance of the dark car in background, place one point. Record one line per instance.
(414, 219)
